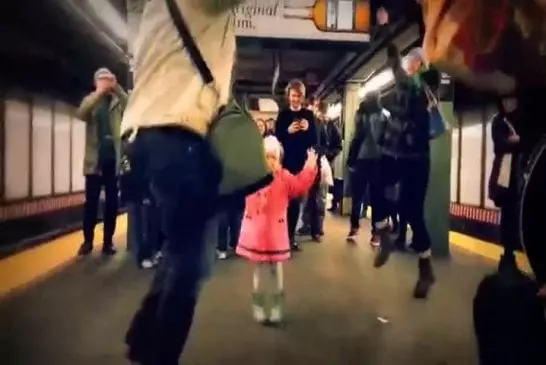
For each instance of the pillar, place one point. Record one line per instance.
(134, 13)
(350, 103)
(437, 203)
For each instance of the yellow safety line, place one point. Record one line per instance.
(29, 266)
(26, 267)
(486, 249)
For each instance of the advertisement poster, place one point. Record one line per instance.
(322, 20)
(326, 20)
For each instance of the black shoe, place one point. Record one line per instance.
(385, 247)
(85, 249)
(426, 279)
(109, 250)
(295, 247)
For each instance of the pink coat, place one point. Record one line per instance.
(264, 231)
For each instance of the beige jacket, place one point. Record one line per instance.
(87, 112)
(168, 90)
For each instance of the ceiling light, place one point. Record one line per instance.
(110, 17)
(377, 82)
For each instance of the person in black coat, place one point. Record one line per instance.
(503, 189)
(296, 130)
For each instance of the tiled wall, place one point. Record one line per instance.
(42, 146)
(471, 162)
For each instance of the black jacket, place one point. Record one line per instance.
(329, 140)
(370, 111)
(501, 130)
(295, 145)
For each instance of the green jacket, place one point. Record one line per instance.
(88, 113)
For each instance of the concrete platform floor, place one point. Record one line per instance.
(334, 297)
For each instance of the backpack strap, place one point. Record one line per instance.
(189, 43)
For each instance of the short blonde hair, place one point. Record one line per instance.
(296, 85)
(272, 145)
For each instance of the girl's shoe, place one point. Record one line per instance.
(258, 310)
(259, 314)
(276, 315)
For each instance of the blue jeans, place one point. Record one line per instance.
(184, 178)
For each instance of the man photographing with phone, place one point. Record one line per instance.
(102, 111)
(297, 133)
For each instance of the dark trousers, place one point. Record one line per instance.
(185, 179)
(509, 234)
(411, 175)
(402, 228)
(314, 208)
(337, 193)
(145, 228)
(93, 186)
(414, 176)
(229, 226)
(364, 188)
(293, 216)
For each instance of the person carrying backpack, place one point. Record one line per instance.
(176, 120)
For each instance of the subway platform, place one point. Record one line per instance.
(339, 309)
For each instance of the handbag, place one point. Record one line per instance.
(437, 123)
(244, 168)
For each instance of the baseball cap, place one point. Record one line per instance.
(103, 72)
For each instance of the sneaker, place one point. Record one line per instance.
(85, 249)
(385, 247)
(425, 280)
(317, 238)
(259, 314)
(222, 255)
(295, 246)
(109, 250)
(147, 264)
(353, 233)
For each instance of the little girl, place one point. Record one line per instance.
(264, 232)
